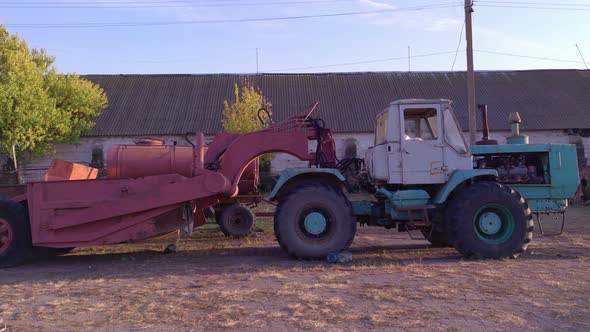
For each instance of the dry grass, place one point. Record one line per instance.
(227, 284)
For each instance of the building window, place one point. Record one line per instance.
(350, 148)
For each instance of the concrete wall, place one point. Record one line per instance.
(82, 152)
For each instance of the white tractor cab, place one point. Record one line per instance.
(417, 141)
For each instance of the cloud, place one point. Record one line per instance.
(509, 41)
(418, 21)
(441, 24)
(377, 4)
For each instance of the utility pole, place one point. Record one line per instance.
(470, 74)
(409, 67)
(257, 60)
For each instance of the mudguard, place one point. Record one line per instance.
(458, 177)
(290, 174)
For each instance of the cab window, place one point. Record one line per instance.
(381, 130)
(453, 135)
(420, 124)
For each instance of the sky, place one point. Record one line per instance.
(175, 36)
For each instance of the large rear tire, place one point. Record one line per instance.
(489, 220)
(15, 234)
(314, 220)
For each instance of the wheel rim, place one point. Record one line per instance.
(238, 224)
(493, 224)
(5, 235)
(315, 223)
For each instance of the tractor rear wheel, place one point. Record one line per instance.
(15, 234)
(489, 220)
(236, 221)
(314, 220)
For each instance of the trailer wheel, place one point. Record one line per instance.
(314, 220)
(436, 237)
(236, 221)
(15, 234)
(489, 220)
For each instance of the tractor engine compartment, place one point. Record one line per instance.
(524, 168)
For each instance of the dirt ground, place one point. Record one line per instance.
(214, 283)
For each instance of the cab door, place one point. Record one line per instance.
(421, 144)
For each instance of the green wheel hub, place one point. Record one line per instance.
(315, 223)
(493, 224)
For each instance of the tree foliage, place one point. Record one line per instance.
(40, 107)
(241, 116)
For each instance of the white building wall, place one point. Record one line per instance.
(363, 142)
(82, 152)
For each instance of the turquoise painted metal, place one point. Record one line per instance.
(490, 223)
(315, 223)
(458, 177)
(292, 173)
(395, 201)
(560, 169)
(493, 224)
(517, 140)
(362, 208)
(408, 198)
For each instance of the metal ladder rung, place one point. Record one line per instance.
(538, 214)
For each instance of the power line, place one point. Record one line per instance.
(361, 62)
(239, 20)
(534, 7)
(529, 63)
(527, 56)
(458, 45)
(132, 2)
(109, 5)
(534, 3)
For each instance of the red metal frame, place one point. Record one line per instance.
(78, 212)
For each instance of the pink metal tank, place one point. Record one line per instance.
(151, 157)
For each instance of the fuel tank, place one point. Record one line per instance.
(139, 160)
(151, 157)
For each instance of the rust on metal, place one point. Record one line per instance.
(61, 170)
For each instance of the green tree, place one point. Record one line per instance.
(38, 106)
(241, 116)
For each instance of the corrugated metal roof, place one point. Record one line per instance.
(177, 104)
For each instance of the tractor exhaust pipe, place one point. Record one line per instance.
(485, 140)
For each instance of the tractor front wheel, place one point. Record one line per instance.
(314, 220)
(489, 220)
(15, 234)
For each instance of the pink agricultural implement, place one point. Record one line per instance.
(147, 191)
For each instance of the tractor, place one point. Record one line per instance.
(421, 175)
